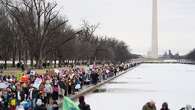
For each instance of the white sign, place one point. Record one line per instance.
(37, 83)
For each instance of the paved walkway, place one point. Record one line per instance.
(91, 88)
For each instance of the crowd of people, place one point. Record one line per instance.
(33, 91)
(151, 106)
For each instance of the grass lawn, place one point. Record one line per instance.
(15, 71)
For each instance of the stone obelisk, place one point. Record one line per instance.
(154, 51)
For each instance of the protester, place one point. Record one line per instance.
(188, 107)
(149, 106)
(55, 106)
(165, 106)
(94, 77)
(55, 92)
(32, 91)
(82, 104)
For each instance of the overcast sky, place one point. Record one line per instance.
(131, 21)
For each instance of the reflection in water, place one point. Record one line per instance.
(121, 90)
(115, 82)
(129, 82)
(99, 91)
(134, 77)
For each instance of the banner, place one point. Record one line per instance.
(37, 83)
(32, 72)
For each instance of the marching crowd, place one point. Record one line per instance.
(33, 91)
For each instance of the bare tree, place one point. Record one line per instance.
(34, 19)
(33, 29)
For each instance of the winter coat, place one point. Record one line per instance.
(148, 107)
(84, 107)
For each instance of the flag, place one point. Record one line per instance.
(68, 104)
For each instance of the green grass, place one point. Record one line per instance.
(15, 71)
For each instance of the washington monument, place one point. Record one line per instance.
(153, 53)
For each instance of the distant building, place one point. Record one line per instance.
(170, 55)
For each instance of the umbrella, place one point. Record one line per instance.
(4, 85)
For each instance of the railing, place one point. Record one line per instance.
(179, 61)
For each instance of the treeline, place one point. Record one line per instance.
(33, 30)
(170, 55)
(191, 55)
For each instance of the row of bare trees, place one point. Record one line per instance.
(190, 55)
(33, 30)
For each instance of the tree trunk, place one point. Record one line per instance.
(60, 62)
(55, 63)
(36, 64)
(50, 64)
(19, 56)
(40, 60)
(14, 62)
(75, 62)
(5, 65)
(31, 62)
(26, 57)
(89, 61)
(14, 58)
(45, 63)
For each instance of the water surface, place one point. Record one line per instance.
(173, 83)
